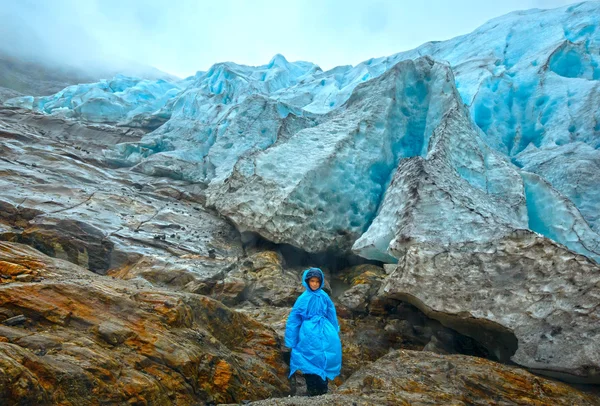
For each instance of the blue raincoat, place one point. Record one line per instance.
(312, 333)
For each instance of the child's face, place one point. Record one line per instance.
(314, 283)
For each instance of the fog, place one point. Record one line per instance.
(183, 36)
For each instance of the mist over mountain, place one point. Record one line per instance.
(36, 61)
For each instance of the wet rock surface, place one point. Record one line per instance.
(364, 281)
(261, 278)
(60, 197)
(423, 378)
(89, 339)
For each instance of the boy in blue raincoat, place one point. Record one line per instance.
(312, 334)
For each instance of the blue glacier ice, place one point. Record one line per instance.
(329, 160)
(572, 169)
(322, 187)
(205, 110)
(556, 217)
(110, 101)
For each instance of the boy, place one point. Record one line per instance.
(312, 334)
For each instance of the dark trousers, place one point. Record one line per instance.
(315, 385)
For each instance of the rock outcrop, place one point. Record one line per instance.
(524, 297)
(81, 338)
(424, 378)
(60, 198)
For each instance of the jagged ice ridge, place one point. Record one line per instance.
(307, 157)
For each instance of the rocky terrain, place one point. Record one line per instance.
(423, 378)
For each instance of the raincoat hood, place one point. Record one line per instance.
(312, 272)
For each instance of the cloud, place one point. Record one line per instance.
(182, 36)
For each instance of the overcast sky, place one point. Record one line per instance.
(184, 36)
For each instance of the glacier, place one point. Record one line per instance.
(329, 195)
(313, 158)
(320, 188)
(121, 100)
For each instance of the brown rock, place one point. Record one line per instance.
(362, 342)
(363, 274)
(364, 281)
(12, 333)
(93, 339)
(15, 215)
(24, 272)
(19, 384)
(415, 377)
(263, 260)
(222, 375)
(423, 378)
(39, 342)
(72, 240)
(262, 280)
(114, 333)
(229, 290)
